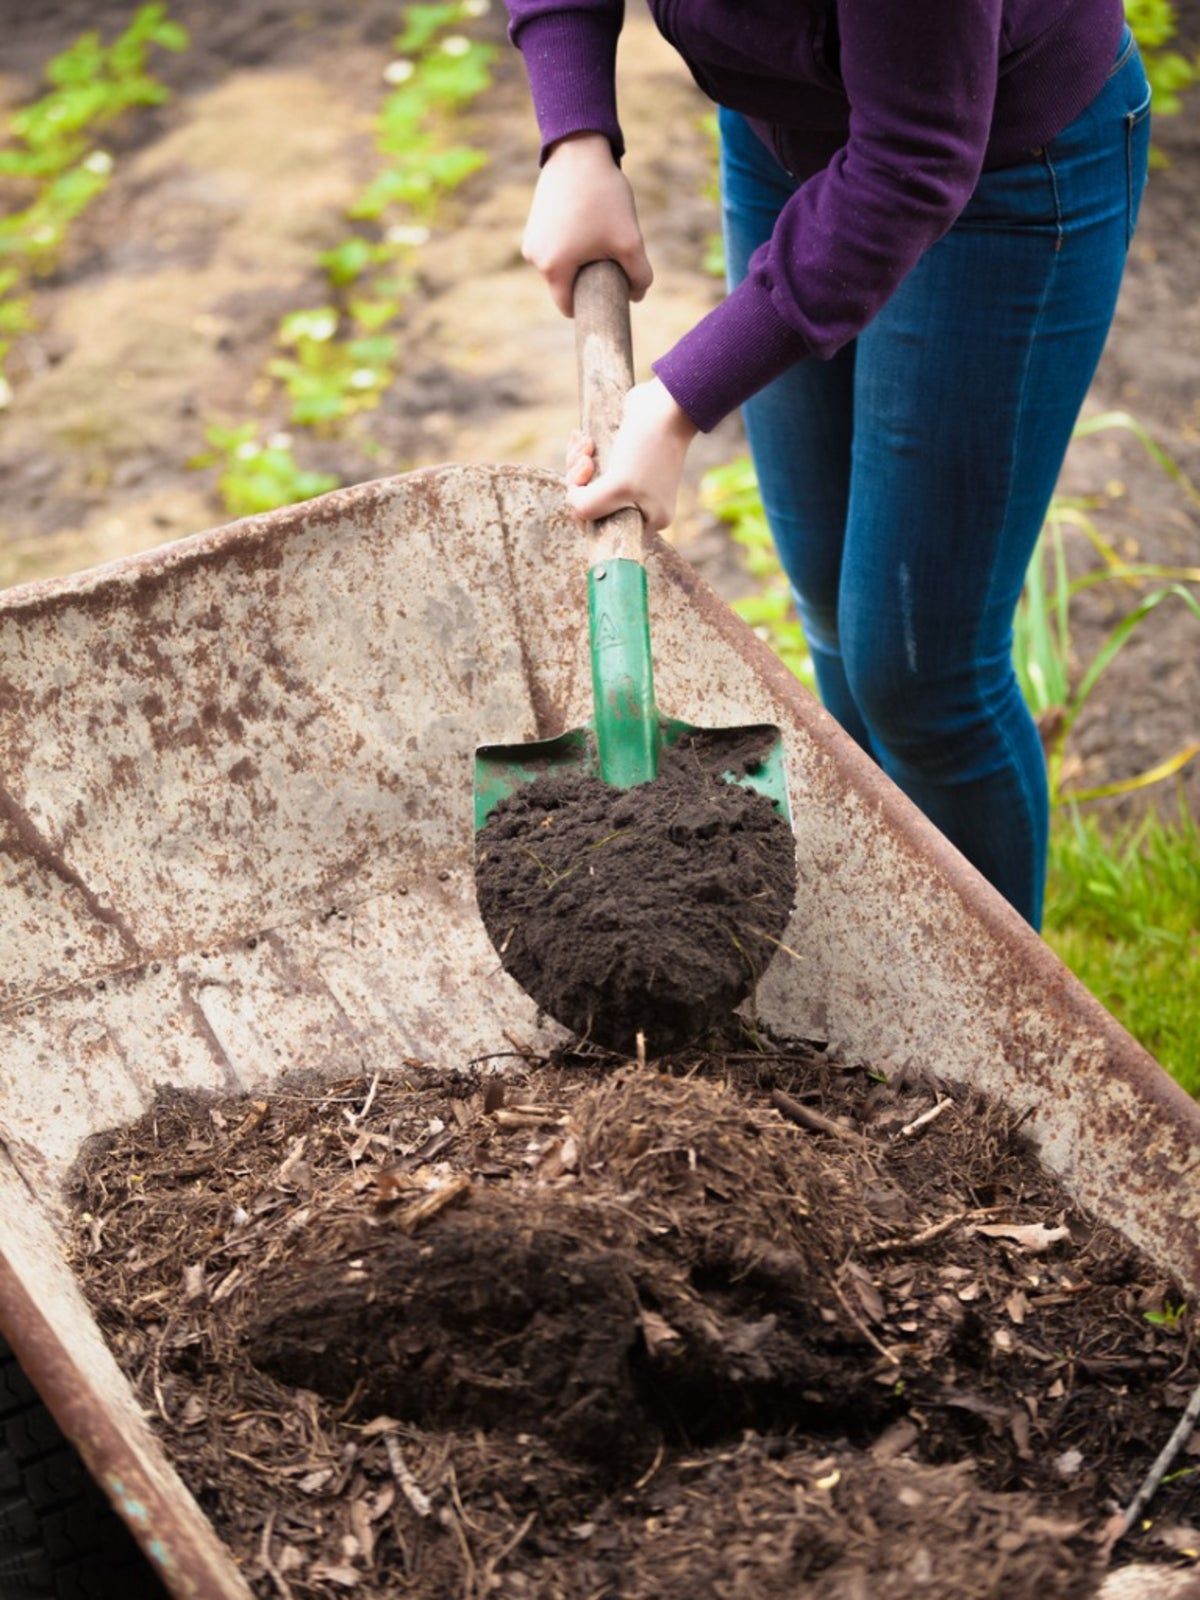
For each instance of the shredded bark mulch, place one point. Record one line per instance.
(738, 1322)
(649, 910)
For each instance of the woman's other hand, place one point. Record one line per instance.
(645, 461)
(583, 210)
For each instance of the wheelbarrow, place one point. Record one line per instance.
(235, 817)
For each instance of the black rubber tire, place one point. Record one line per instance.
(59, 1537)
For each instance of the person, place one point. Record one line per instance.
(927, 210)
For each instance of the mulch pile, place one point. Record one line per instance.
(744, 1322)
(648, 910)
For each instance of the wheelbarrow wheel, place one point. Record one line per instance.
(59, 1537)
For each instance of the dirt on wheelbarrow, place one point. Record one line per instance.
(648, 910)
(750, 1321)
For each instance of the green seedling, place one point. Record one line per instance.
(258, 477)
(338, 359)
(1170, 72)
(1170, 1318)
(49, 149)
(423, 23)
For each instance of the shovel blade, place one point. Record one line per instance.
(502, 769)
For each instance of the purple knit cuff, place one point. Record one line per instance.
(571, 60)
(730, 355)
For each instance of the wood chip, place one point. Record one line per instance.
(420, 1212)
(926, 1117)
(805, 1117)
(1031, 1236)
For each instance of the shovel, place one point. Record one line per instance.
(622, 741)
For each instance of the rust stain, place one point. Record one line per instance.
(40, 851)
(548, 718)
(192, 1009)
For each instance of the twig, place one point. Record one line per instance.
(641, 1050)
(408, 1485)
(492, 1565)
(264, 1555)
(1124, 1520)
(515, 1117)
(448, 1519)
(927, 1235)
(369, 1101)
(653, 1467)
(814, 1121)
(453, 1190)
(926, 1117)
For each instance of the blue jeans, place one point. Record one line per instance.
(906, 480)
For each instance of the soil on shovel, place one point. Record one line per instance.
(653, 909)
(748, 1322)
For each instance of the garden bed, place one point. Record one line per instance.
(752, 1321)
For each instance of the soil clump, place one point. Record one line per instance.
(653, 909)
(725, 1325)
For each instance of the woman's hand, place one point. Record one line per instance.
(583, 211)
(645, 461)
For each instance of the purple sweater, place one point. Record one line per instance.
(887, 109)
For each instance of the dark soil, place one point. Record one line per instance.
(647, 910)
(727, 1325)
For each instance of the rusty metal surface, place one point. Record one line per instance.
(235, 842)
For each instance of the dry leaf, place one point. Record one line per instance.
(1017, 1305)
(868, 1295)
(1034, 1236)
(345, 1577)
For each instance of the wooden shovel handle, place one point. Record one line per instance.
(604, 357)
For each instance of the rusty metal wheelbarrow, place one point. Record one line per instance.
(235, 828)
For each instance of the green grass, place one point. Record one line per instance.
(1123, 912)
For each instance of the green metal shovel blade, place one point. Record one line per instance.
(621, 743)
(501, 769)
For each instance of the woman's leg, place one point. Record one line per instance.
(799, 427)
(967, 387)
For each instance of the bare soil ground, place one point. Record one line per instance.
(163, 314)
(743, 1322)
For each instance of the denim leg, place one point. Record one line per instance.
(967, 387)
(799, 428)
